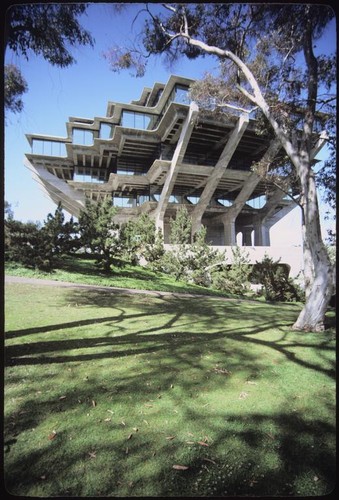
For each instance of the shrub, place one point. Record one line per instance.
(139, 239)
(99, 232)
(28, 244)
(234, 278)
(276, 282)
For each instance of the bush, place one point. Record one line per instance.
(139, 239)
(234, 278)
(276, 282)
(28, 244)
(99, 232)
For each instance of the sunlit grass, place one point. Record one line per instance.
(84, 270)
(133, 385)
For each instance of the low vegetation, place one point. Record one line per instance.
(110, 394)
(118, 251)
(79, 269)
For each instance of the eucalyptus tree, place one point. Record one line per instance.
(269, 65)
(46, 29)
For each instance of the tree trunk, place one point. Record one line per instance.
(318, 269)
(312, 316)
(319, 290)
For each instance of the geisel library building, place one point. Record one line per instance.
(156, 154)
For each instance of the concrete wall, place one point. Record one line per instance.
(293, 256)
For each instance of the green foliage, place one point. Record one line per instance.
(26, 31)
(99, 233)
(28, 244)
(202, 258)
(176, 261)
(274, 278)
(38, 247)
(153, 252)
(62, 236)
(332, 253)
(46, 29)
(15, 85)
(181, 227)
(139, 239)
(189, 262)
(234, 278)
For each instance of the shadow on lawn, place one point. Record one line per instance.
(260, 462)
(118, 343)
(276, 463)
(89, 267)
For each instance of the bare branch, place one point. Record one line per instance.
(185, 21)
(169, 7)
(246, 93)
(237, 108)
(138, 13)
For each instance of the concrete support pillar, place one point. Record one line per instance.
(247, 236)
(177, 158)
(230, 237)
(218, 171)
(249, 185)
(261, 234)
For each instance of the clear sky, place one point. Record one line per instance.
(83, 90)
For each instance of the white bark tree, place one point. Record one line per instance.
(287, 96)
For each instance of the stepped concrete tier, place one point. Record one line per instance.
(160, 152)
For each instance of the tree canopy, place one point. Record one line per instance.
(27, 33)
(269, 65)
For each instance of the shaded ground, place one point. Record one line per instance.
(134, 384)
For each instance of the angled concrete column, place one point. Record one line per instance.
(269, 214)
(218, 171)
(253, 180)
(175, 164)
(323, 138)
(270, 206)
(72, 199)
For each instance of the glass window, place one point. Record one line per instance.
(257, 202)
(48, 148)
(106, 131)
(193, 199)
(143, 199)
(122, 171)
(226, 203)
(181, 94)
(86, 177)
(83, 137)
(131, 119)
(123, 201)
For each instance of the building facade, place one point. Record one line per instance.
(160, 152)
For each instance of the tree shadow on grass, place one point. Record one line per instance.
(290, 449)
(256, 454)
(176, 331)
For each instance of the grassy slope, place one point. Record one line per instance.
(76, 270)
(133, 385)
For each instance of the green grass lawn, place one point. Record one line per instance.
(84, 270)
(107, 394)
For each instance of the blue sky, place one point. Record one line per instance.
(83, 90)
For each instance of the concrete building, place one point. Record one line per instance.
(159, 152)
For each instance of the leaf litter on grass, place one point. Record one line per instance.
(198, 403)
